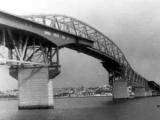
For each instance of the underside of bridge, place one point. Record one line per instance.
(31, 48)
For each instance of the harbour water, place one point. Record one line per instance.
(88, 108)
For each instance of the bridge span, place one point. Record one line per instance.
(31, 44)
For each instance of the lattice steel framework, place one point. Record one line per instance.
(81, 29)
(23, 48)
(102, 43)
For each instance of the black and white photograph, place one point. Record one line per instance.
(79, 60)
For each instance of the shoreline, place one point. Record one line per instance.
(2, 99)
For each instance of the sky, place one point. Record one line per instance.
(134, 25)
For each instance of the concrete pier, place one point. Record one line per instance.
(140, 92)
(120, 90)
(149, 92)
(35, 86)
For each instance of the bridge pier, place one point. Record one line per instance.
(35, 87)
(140, 92)
(120, 89)
(149, 92)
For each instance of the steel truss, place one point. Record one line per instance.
(27, 49)
(101, 42)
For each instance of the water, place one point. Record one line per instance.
(91, 108)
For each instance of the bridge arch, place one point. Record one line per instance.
(68, 30)
(101, 43)
(80, 29)
(55, 32)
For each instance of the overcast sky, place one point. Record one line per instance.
(134, 25)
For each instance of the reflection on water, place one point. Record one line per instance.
(91, 108)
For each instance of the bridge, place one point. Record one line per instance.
(30, 46)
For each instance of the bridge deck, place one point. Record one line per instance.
(66, 31)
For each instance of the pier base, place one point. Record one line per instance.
(140, 92)
(35, 88)
(149, 93)
(120, 90)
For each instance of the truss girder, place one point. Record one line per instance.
(81, 29)
(101, 42)
(23, 48)
(64, 30)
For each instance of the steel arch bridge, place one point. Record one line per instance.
(36, 40)
(102, 44)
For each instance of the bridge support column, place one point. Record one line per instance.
(35, 87)
(120, 90)
(149, 92)
(140, 92)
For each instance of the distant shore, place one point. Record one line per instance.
(16, 98)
